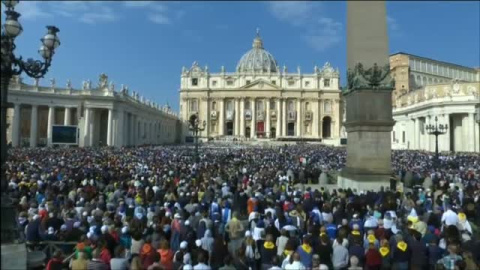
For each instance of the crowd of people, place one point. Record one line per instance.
(243, 208)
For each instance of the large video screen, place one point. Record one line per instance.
(64, 134)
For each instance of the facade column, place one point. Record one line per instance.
(284, 117)
(316, 119)
(253, 126)
(33, 126)
(120, 141)
(242, 117)
(267, 118)
(278, 132)
(88, 119)
(221, 118)
(16, 125)
(471, 139)
(51, 119)
(236, 118)
(67, 116)
(299, 118)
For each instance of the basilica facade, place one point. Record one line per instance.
(261, 101)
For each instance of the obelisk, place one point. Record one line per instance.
(369, 105)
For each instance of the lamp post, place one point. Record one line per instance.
(195, 127)
(10, 66)
(436, 130)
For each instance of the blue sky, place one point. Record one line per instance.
(145, 44)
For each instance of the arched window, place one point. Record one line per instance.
(307, 106)
(419, 80)
(326, 127)
(424, 81)
(214, 105)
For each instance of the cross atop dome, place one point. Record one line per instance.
(257, 41)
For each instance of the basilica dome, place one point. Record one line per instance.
(257, 60)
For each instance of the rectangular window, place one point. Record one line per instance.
(403, 136)
(393, 136)
(229, 82)
(193, 105)
(307, 84)
(247, 82)
(194, 81)
(247, 104)
(291, 83)
(274, 82)
(326, 82)
(214, 105)
(214, 83)
(230, 105)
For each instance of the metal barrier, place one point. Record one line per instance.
(49, 248)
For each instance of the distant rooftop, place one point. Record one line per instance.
(439, 61)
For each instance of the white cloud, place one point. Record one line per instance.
(136, 4)
(295, 13)
(86, 11)
(326, 35)
(158, 13)
(102, 14)
(159, 18)
(31, 10)
(392, 24)
(320, 32)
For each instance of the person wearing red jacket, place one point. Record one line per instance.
(373, 259)
(56, 262)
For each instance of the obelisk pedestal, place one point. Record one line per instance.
(369, 119)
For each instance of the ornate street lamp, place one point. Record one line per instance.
(10, 66)
(436, 130)
(195, 127)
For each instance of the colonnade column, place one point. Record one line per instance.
(86, 140)
(16, 125)
(51, 119)
(67, 116)
(33, 126)
(472, 140)
(221, 118)
(278, 131)
(109, 127)
(299, 118)
(242, 117)
(253, 127)
(120, 127)
(284, 117)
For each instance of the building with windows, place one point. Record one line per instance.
(413, 72)
(455, 104)
(261, 101)
(99, 114)
(427, 89)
